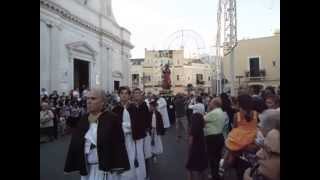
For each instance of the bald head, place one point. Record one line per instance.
(215, 103)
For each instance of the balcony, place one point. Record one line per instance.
(256, 75)
(200, 82)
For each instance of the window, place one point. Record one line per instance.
(208, 78)
(147, 78)
(188, 78)
(274, 63)
(199, 78)
(177, 77)
(254, 65)
(135, 79)
(116, 85)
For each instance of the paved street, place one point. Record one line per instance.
(170, 165)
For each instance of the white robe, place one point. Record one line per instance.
(162, 108)
(147, 146)
(147, 102)
(133, 173)
(157, 148)
(92, 156)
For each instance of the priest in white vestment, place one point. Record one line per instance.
(162, 108)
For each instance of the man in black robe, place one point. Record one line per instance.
(109, 148)
(134, 128)
(145, 119)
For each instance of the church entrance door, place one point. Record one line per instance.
(80, 73)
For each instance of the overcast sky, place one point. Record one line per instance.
(151, 22)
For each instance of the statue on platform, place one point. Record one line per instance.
(166, 81)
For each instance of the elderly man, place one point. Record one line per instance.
(268, 159)
(214, 123)
(97, 144)
(269, 120)
(269, 154)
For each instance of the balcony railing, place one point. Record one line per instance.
(256, 75)
(200, 82)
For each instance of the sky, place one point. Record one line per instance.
(153, 22)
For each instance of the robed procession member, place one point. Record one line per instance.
(157, 129)
(97, 144)
(144, 117)
(134, 131)
(197, 161)
(162, 108)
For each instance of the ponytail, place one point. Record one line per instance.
(248, 115)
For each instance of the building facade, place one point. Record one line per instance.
(82, 44)
(183, 72)
(256, 63)
(136, 73)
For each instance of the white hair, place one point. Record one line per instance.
(100, 92)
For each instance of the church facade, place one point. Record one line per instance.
(81, 44)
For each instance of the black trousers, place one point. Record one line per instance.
(189, 115)
(55, 127)
(47, 131)
(214, 144)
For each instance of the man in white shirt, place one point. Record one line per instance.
(198, 107)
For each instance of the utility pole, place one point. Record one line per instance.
(229, 32)
(232, 40)
(218, 51)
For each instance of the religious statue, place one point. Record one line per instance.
(166, 81)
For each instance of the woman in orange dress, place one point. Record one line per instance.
(244, 130)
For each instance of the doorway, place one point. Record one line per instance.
(116, 85)
(80, 73)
